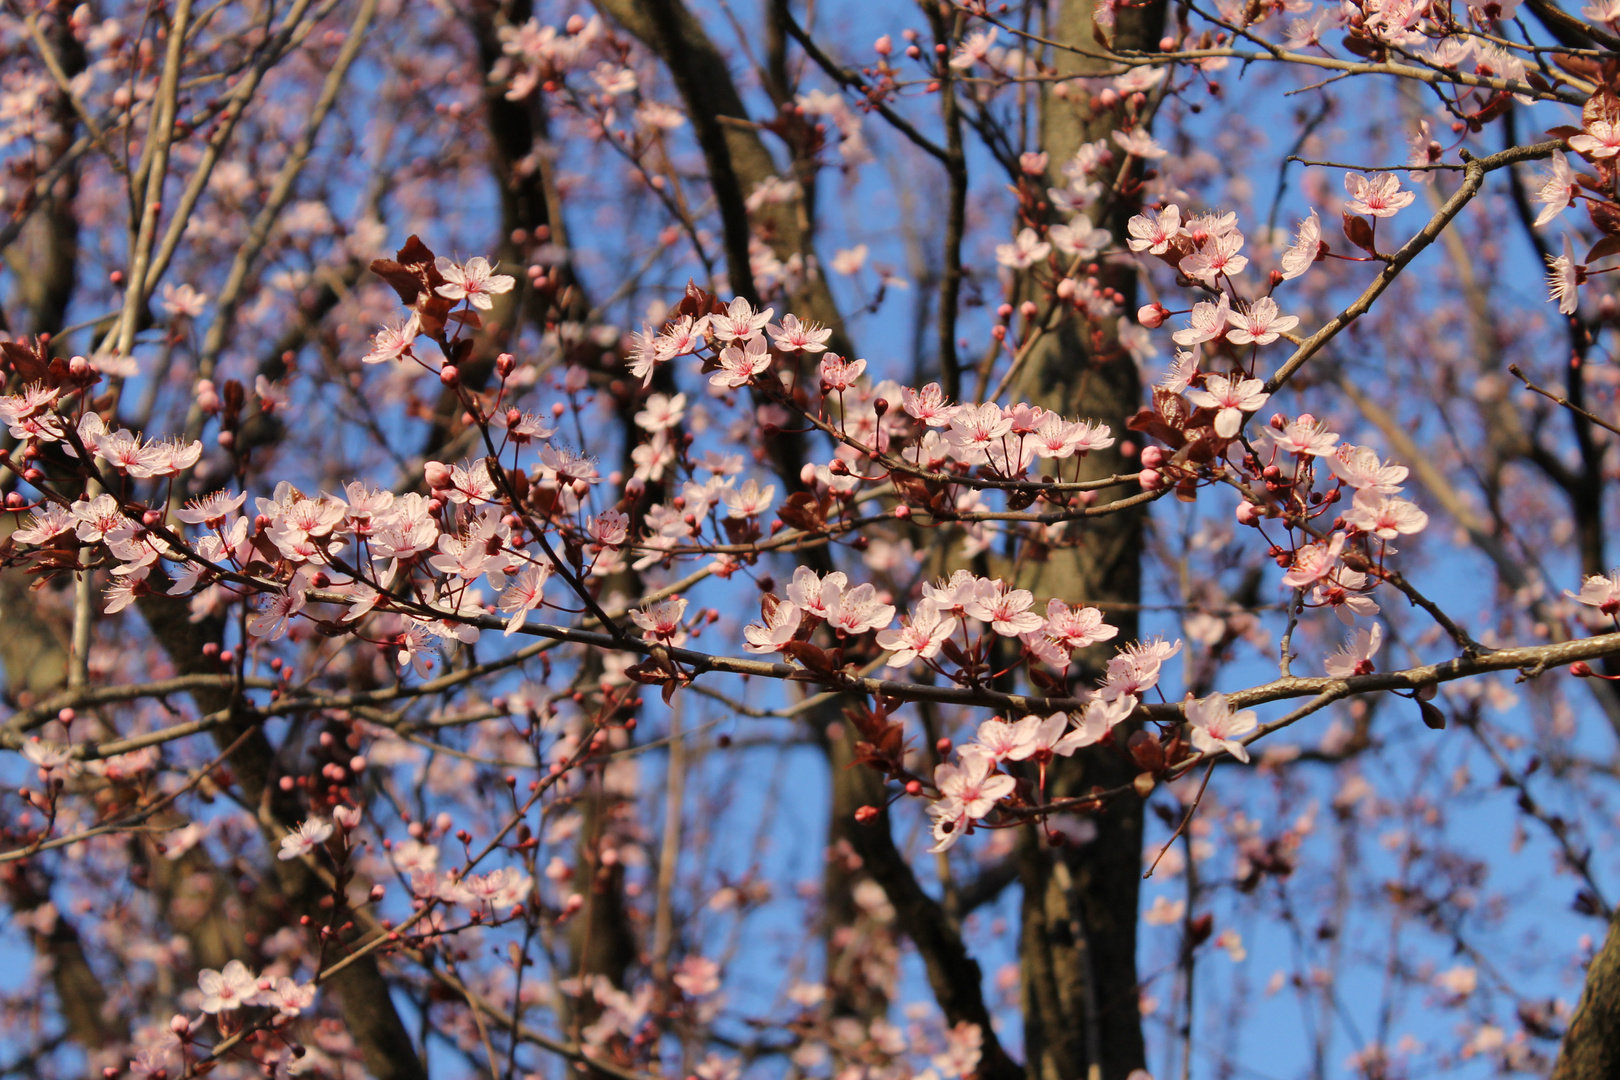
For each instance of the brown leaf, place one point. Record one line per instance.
(803, 511)
(1433, 718)
(31, 365)
(1605, 215)
(1609, 245)
(1359, 233)
(1601, 107)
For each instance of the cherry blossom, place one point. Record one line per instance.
(1600, 592)
(794, 336)
(1025, 251)
(474, 281)
(1558, 188)
(968, 791)
(739, 367)
(1154, 233)
(780, 622)
(304, 839)
(1208, 322)
(1564, 278)
(661, 619)
(394, 341)
(1355, 656)
(1261, 324)
(1601, 139)
(1385, 516)
(1231, 396)
(1216, 726)
(919, 636)
(1378, 197)
(1306, 248)
(227, 990)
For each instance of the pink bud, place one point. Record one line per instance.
(505, 364)
(807, 475)
(179, 1024)
(1151, 315)
(902, 512)
(1149, 479)
(1167, 44)
(1248, 513)
(66, 715)
(1066, 289)
(1004, 311)
(79, 367)
(357, 763)
(437, 474)
(883, 46)
(1108, 98)
(449, 375)
(226, 439)
(1152, 456)
(575, 24)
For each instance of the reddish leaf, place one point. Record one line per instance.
(1606, 216)
(1601, 107)
(31, 365)
(1609, 245)
(803, 511)
(1359, 233)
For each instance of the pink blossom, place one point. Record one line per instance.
(474, 281)
(1378, 197)
(920, 636)
(227, 990)
(304, 838)
(1232, 395)
(1385, 516)
(1154, 233)
(778, 626)
(1216, 726)
(1355, 656)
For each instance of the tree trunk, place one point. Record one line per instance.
(1078, 917)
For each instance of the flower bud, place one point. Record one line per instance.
(866, 814)
(505, 364)
(1152, 315)
(1150, 480)
(1248, 513)
(1152, 456)
(438, 475)
(449, 375)
(883, 46)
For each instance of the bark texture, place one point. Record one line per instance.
(1079, 907)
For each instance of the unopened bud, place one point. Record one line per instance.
(1152, 456)
(505, 364)
(449, 375)
(1150, 480)
(1152, 315)
(437, 474)
(866, 814)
